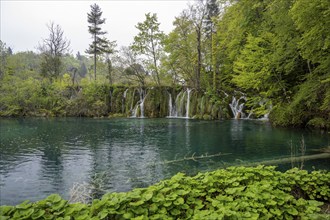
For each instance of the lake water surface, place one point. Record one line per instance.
(43, 156)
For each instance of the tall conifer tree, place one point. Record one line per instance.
(99, 45)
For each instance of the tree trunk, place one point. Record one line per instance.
(95, 57)
(199, 58)
(95, 66)
(155, 62)
(156, 69)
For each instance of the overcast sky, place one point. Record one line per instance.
(23, 23)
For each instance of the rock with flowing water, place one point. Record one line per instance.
(124, 101)
(159, 102)
(237, 107)
(140, 104)
(180, 108)
(171, 110)
(188, 102)
(266, 115)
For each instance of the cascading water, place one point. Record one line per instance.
(140, 104)
(180, 109)
(266, 115)
(132, 103)
(171, 110)
(237, 108)
(179, 104)
(123, 101)
(125, 93)
(188, 103)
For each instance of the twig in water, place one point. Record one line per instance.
(193, 158)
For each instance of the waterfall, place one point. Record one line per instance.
(134, 112)
(266, 115)
(125, 93)
(237, 108)
(132, 103)
(179, 104)
(188, 103)
(142, 98)
(171, 111)
(140, 104)
(180, 109)
(123, 101)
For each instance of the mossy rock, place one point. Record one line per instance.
(156, 103)
(197, 117)
(117, 115)
(207, 117)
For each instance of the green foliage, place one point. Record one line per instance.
(4, 52)
(232, 193)
(318, 123)
(253, 64)
(149, 42)
(180, 45)
(278, 51)
(309, 105)
(20, 95)
(91, 100)
(52, 50)
(312, 20)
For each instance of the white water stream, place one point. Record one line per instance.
(180, 108)
(140, 105)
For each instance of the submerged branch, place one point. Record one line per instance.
(194, 158)
(288, 160)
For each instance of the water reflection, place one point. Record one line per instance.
(236, 130)
(43, 156)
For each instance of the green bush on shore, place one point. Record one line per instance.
(233, 193)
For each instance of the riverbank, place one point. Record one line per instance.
(235, 192)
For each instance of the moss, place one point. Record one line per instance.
(207, 117)
(320, 123)
(215, 111)
(156, 103)
(117, 100)
(117, 115)
(197, 117)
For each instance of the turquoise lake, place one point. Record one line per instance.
(43, 156)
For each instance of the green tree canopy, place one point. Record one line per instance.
(149, 43)
(53, 49)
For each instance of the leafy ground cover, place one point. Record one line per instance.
(233, 193)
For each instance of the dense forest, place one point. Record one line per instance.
(274, 53)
